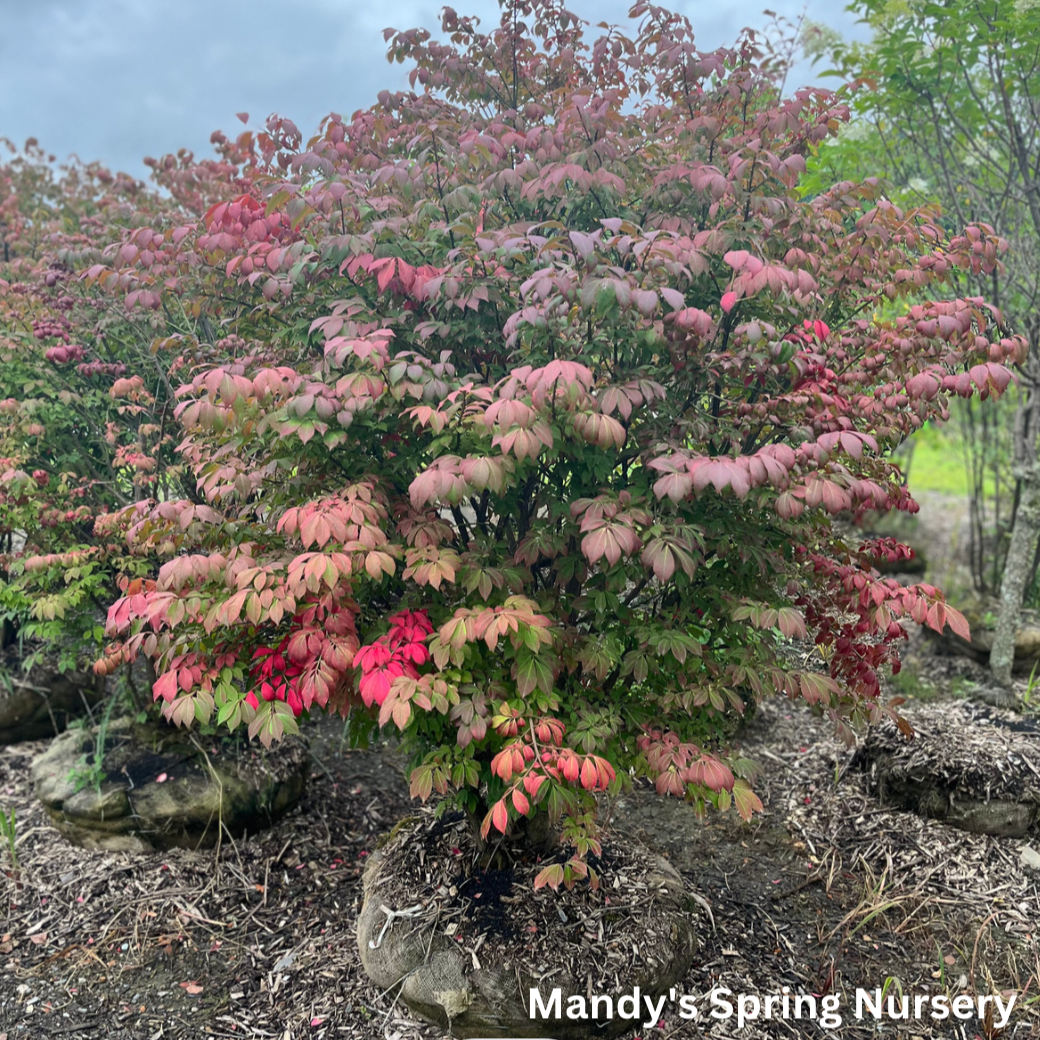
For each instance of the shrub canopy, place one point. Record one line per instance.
(513, 412)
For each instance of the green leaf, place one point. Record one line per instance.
(532, 673)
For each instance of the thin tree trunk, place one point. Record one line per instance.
(1025, 535)
(1017, 568)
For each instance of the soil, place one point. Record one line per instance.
(824, 892)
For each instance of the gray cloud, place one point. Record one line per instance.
(120, 79)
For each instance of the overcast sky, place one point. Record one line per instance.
(117, 80)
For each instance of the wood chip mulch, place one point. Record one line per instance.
(973, 750)
(827, 891)
(254, 939)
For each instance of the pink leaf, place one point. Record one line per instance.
(924, 384)
(673, 298)
(500, 816)
(728, 300)
(957, 621)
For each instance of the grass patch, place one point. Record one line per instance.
(934, 460)
(963, 688)
(910, 685)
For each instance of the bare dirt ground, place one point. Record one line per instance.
(826, 892)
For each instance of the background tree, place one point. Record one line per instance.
(951, 93)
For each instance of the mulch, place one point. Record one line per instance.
(825, 892)
(254, 939)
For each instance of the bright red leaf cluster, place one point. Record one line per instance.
(397, 653)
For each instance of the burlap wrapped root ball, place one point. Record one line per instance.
(462, 946)
(969, 765)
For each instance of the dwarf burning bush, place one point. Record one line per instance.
(81, 431)
(102, 303)
(540, 388)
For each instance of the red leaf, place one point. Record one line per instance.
(500, 816)
(937, 616)
(957, 621)
(165, 686)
